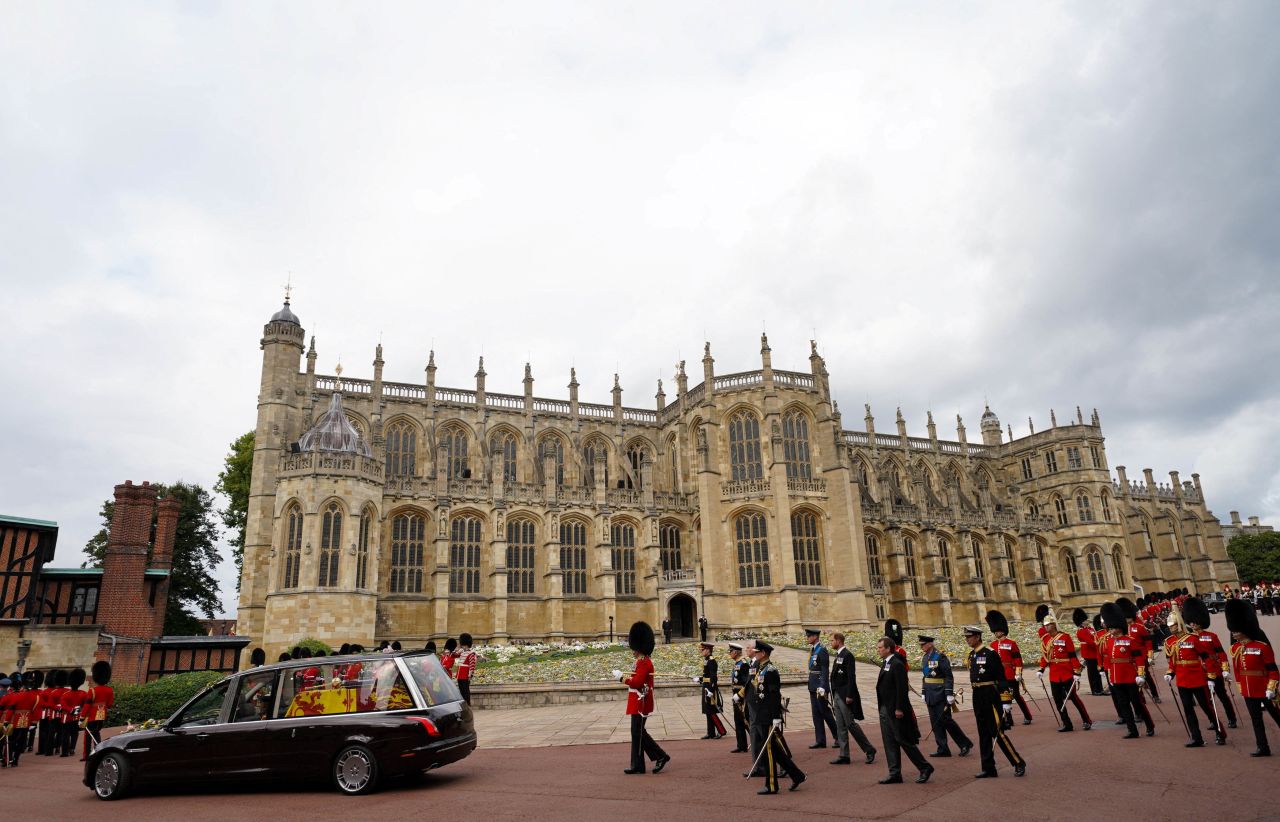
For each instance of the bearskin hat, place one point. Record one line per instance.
(1079, 617)
(258, 657)
(1243, 619)
(450, 644)
(640, 638)
(1112, 616)
(464, 639)
(1195, 611)
(33, 679)
(893, 630)
(357, 648)
(1127, 607)
(284, 657)
(296, 653)
(15, 679)
(101, 672)
(75, 678)
(1042, 611)
(58, 679)
(1097, 622)
(345, 649)
(997, 622)
(1142, 602)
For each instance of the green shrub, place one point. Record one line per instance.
(312, 645)
(159, 699)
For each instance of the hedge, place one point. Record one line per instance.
(159, 699)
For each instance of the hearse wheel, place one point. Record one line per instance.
(355, 771)
(111, 777)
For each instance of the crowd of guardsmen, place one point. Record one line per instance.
(44, 713)
(1116, 654)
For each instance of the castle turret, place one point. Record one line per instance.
(990, 426)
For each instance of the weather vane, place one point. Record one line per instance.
(288, 287)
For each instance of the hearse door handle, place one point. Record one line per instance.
(202, 736)
(293, 734)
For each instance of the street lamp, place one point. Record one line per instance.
(24, 650)
(610, 630)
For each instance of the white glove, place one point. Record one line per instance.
(1077, 678)
(697, 679)
(777, 723)
(1040, 674)
(951, 700)
(822, 692)
(617, 674)
(1271, 694)
(1226, 675)
(1008, 707)
(1168, 677)
(736, 699)
(1139, 681)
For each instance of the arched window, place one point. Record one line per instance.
(362, 549)
(636, 456)
(1073, 571)
(455, 444)
(752, 539)
(520, 555)
(1093, 562)
(806, 543)
(944, 556)
(873, 562)
(573, 556)
(552, 447)
(864, 477)
(330, 545)
(464, 555)
(590, 452)
(408, 532)
(1060, 509)
(1084, 510)
(402, 447)
(1011, 557)
(1033, 510)
(1117, 565)
(795, 445)
(744, 447)
(979, 562)
(1106, 507)
(909, 550)
(623, 552)
(1146, 536)
(1037, 558)
(669, 546)
(503, 445)
(673, 463)
(292, 547)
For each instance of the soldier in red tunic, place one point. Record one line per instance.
(1058, 656)
(1254, 663)
(1011, 656)
(17, 715)
(1088, 642)
(1218, 667)
(1187, 659)
(1126, 666)
(72, 700)
(1139, 632)
(640, 700)
(101, 697)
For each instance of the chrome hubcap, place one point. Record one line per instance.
(353, 770)
(107, 777)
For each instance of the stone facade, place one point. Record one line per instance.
(744, 499)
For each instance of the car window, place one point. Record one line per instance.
(255, 697)
(359, 686)
(205, 709)
(432, 680)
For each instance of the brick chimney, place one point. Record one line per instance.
(122, 606)
(166, 532)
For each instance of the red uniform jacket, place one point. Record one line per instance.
(1088, 642)
(71, 702)
(1125, 660)
(1187, 659)
(1140, 633)
(1254, 666)
(51, 704)
(446, 659)
(1058, 654)
(20, 707)
(100, 698)
(1010, 655)
(1217, 655)
(640, 688)
(466, 664)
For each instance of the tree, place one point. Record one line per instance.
(1257, 556)
(192, 586)
(233, 483)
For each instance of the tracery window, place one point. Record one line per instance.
(455, 444)
(408, 533)
(1106, 507)
(873, 562)
(292, 546)
(636, 455)
(795, 445)
(362, 549)
(979, 562)
(1060, 509)
(1117, 565)
(751, 537)
(1033, 510)
(1073, 571)
(909, 550)
(944, 556)
(1146, 536)
(402, 447)
(552, 447)
(1084, 510)
(330, 545)
(1037, 558)
(503, 444)
(1011, 557)
(669, 547)
(590, 451)
(744, 447)
(1093, 562)
(520, 555)
(623, 553)
(806, 548)
(573, 556)
(673, 463)
(464, 555)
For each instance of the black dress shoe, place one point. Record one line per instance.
(940, 754)
(795, 783)
(817, 745)
(765, 792)
(1231, 723)
(1151, 731)
(1066, 729)
(708, 736)
(891, 780)
(1021, 770)
(1261, 752)
(1197, 744)
(1119, 721)
(1157, 700)
(924, 775)
(964, 751)
(840, 760)
(1219, 740)
(1088, 726)
(633, 770)
(660, 764)
(1026, 721)
(1131, 735)
(985, 775)
(837, 744)
(871, 757)
(738, 750)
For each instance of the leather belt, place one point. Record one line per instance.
(934, 680)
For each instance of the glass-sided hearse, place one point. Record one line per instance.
(352, 719)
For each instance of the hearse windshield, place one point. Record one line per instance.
(434, 683)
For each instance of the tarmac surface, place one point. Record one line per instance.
(1081, 775)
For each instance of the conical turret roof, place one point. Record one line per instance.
(334, 432)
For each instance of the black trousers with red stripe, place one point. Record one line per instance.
(1059, 691)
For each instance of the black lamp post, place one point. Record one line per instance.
(611, 629)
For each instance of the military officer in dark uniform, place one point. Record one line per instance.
(819, 684)
(992, 695)
(702, 627)
(739, 681)
(939, 694)
(768, 719)
(847, 703)
(710, 692)
(756, 731)
(898, 726)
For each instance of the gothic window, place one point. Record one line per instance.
(590, 451)
(402, 446)
(1096, 453)
(1073, 571)
(673, 463)
(873, 562)
(1037, 558)
(909, 549)
(408, 534)
(752, 540)
(464, 555)
(455, 444)
(1073, 457)
(552, 447)
(1011, 557)
(1051, 462)
(1060, 510)
(864, 478)
(1026, 468)
(636, 456)
(1083, 508)
(362, 549)
(520, 555)
(330, 545)
(503, 445)
(1117, 565)
(795, 445)
(944, 556)
(1106, 507)
(573, 556)
(979, 562)
(806, 548)
(623, 553)
(744, 447)
(669, 546)
(1146, 536)
(1093, 561)
(292, 547)
(1033, 510)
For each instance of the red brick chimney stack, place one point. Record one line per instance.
(123, 607)
(166, 532)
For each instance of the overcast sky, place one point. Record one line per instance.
(1045, 205)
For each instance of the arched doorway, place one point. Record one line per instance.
(683, 613)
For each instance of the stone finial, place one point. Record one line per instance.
(431, 358)
(900, 419)
(764, 343)
(1079, 416)
(480, 371)
(1010, 432)
(528, 372)
(312, 348)
(1031, 425)
(1053, 419)
(573, 378)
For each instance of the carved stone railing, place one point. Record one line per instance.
(589, 409)
(679, 578)
(793, 379)
(552, 406)
(504, 401)
(455, 396)
(744, 488)
(344, 384)
(640, 415)
(575, 495)
(733, 382)
(815, 486)
(322, 462)
(674, 501)
(623, 498)
(404, 391)
(522, 492)
(472, 489)
(695, 394)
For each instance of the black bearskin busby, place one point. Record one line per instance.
(1097, 622)
(1243, 619)
(1195, 611)
(1079, 617)
(57, 679)
(1112, 616)
(640, 638)
(345, 649)
(893, 630)
(75, 678)
(32, 680)
(450, 645)
(1142, 602)
(284, 657)
(258, 657)
(1127, 607)
(997, 622)
(15, 680)
(464, 639)
(100, 673)
(1042, 611)
(296, 653)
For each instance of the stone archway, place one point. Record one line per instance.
(683, 613)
